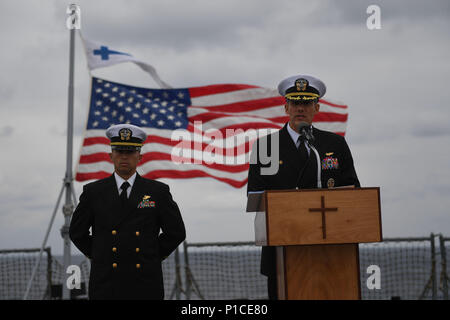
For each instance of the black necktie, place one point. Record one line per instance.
(303, 153)
(123, 195)
(303, 160)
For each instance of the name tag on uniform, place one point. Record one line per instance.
(146, 203)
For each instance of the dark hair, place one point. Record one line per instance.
(138, 149)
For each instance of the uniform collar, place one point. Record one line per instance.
(120, 180)
(294, 135)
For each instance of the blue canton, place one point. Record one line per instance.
(114, 103)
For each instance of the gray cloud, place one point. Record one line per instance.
(431, 130)
(222, 24)
(6, 131)
(171, 23)
(353, 12)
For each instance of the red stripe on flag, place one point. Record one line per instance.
(245, 106)
(342, 106)
(197, 145)
(95, 140)
(153, 156)
(195, 92)
(330, 117)
(92, 175)
(157, 174)
(319, 117)
(231, 168)
(95, 157)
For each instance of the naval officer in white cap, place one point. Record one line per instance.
(135, 225)
(308, 157)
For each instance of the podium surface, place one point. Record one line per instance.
(316, 233)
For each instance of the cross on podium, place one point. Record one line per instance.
(323, 210)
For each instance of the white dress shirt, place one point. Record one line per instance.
(294, 135)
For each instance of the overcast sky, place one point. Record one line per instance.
(394, 80)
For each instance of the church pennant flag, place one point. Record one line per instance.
(101, 55)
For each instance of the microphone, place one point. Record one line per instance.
(305, 131)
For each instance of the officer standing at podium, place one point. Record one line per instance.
(135, 225)
(300, 144)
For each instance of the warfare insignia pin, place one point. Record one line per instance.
(329, 154)
(125, 134)
(146, 203)
(330, 183)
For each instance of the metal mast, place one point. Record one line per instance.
(73, 23)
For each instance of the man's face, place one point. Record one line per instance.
(299, 112)
(125, 162)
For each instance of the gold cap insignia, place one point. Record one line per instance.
(301, 84)
(125, 134)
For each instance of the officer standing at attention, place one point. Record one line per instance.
(135, 225)
(308, 157)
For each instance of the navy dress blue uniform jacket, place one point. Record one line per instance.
(329, 146)
(127, 244)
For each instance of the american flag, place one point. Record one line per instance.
(210, 118)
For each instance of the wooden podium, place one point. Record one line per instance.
(316, 233)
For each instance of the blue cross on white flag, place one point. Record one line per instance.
(101, 55)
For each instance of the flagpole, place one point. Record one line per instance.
(68, 179)
(68, 207)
